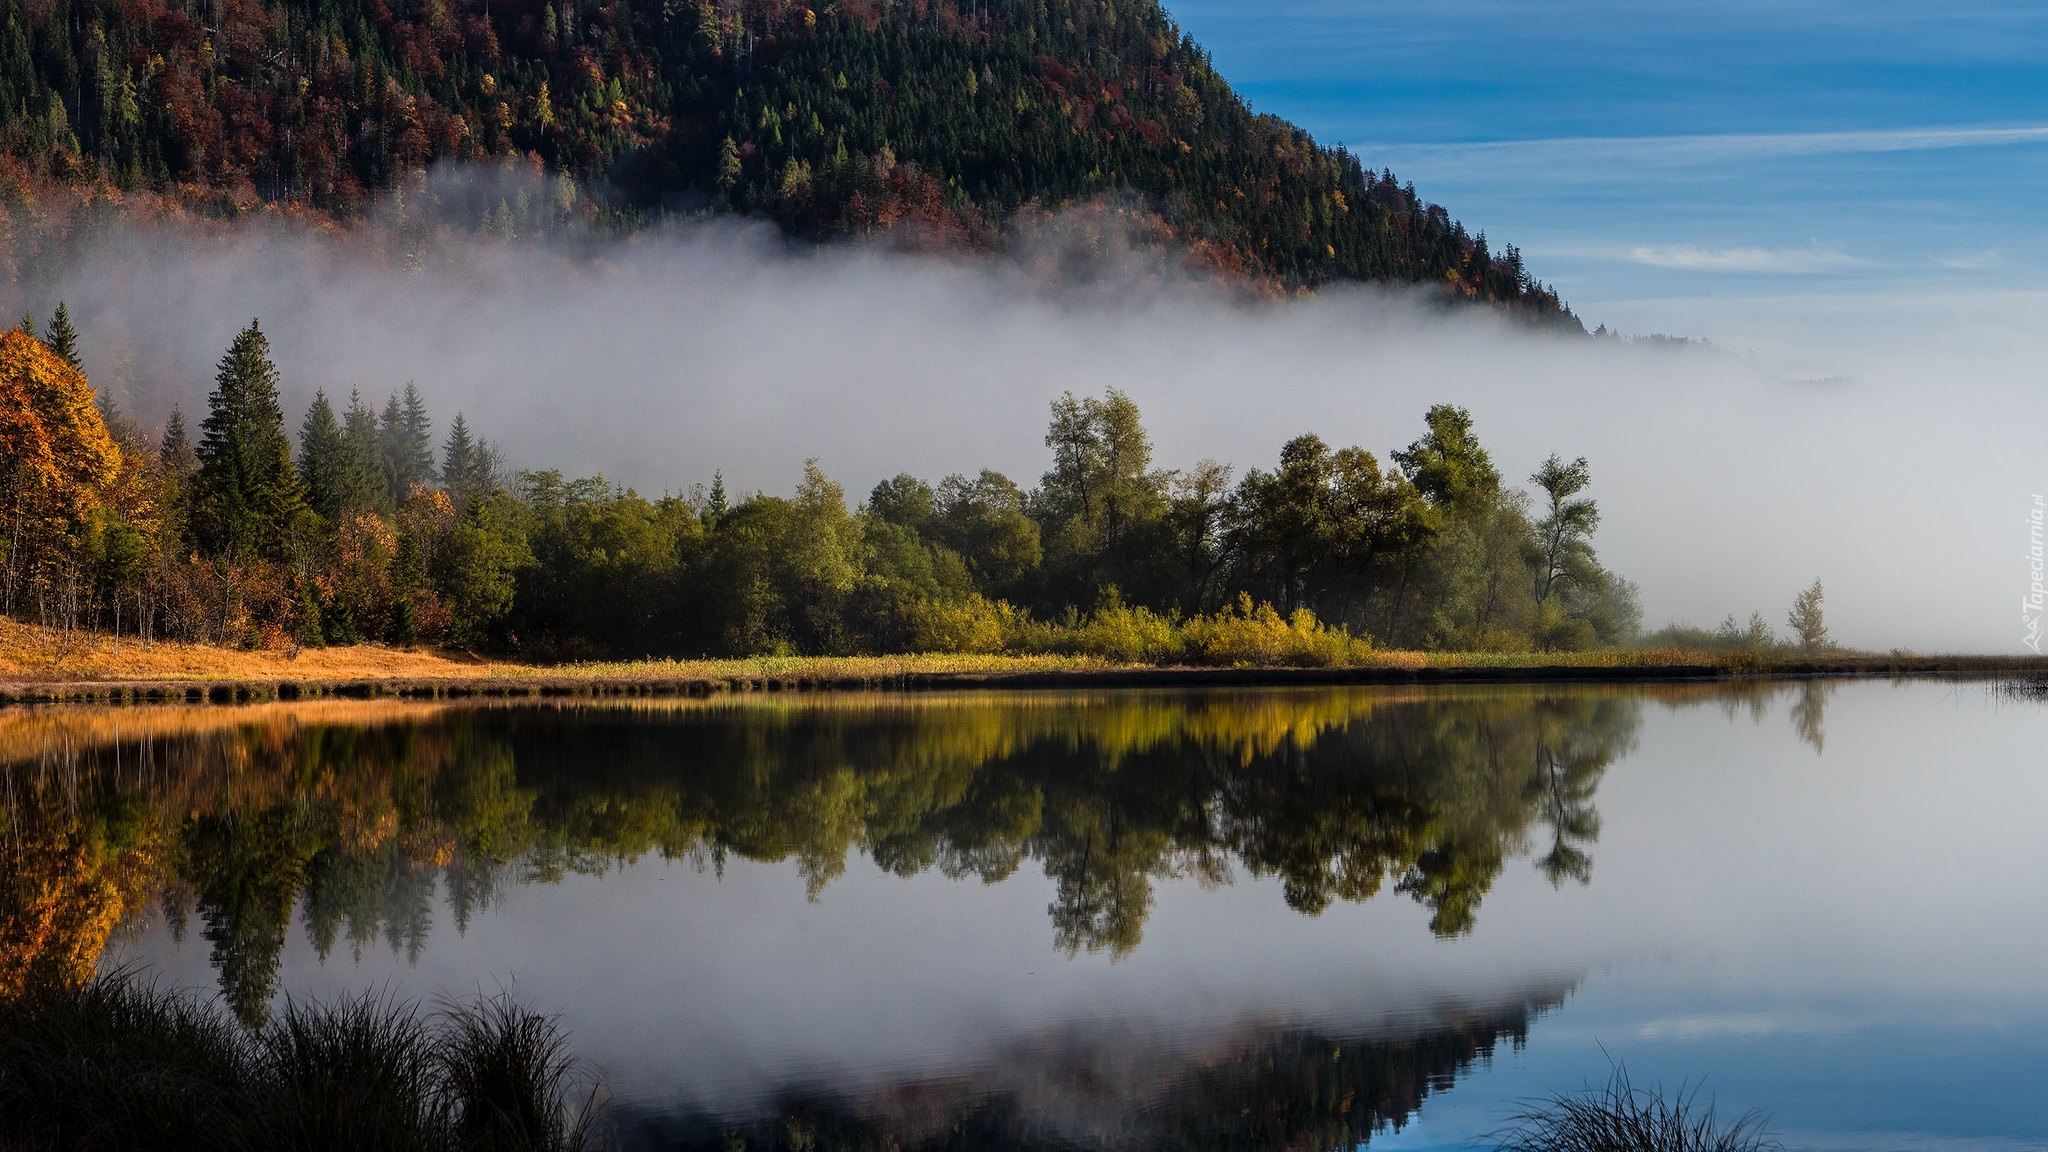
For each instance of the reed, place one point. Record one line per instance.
(1620, 1117)
(508, 1079)
(124, 1063)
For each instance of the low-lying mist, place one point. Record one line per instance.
(1897, 469)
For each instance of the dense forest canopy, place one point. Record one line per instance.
(946, 118)
(363, 527)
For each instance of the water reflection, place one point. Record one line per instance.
(1256, 1089)
(645, 868)
(356, 816)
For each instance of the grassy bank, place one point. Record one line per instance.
(37, 667)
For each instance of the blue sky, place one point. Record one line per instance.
(1667, 164)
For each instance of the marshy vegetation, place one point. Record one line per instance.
(2033, 687)
(1618, 1116)
(123, 1063)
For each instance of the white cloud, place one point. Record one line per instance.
(1702, 150)
(1739, 1025)
(1691, 258)
(1971, 261)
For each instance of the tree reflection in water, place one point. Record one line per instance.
(355, 816)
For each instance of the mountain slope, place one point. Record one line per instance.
(831, 116)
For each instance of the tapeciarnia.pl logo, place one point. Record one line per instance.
(2037, 596)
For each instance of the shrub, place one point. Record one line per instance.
(1248, 635)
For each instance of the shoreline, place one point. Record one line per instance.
(905, 675)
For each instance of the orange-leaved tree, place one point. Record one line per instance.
(56, 465)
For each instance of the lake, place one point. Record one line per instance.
(1244, 919)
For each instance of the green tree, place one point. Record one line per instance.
(407, 439)
(476, 566)
(1198, 512)
(984, 521)
(63, 338)
(1100, 506)
(468, 465)
(360, 480)
(1284, 529)
(1564, 534)
(322, 463)
(249, 497)
(906, 501)
(819, 562)
(176, 454)
(1448, 465)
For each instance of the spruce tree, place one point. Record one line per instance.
(408, 443)
(249, 496)
(321, 457)
(419, 435)
(360, 477)
(63, 338)
(176, 453)
(716, 506)
(466, 463)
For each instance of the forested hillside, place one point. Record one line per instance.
(830, 116)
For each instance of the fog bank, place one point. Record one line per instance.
(1892, 455)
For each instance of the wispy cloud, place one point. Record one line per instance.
(1791, 261)
(1971, 261)
(1738, 1025)
(1687, 151)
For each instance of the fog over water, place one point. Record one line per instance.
(1888, 446)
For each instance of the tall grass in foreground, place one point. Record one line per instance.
(125, 1064)
(1620, 1117)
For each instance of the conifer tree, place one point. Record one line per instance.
(249, 496)
(408, 443)
(360, 476)
(63, 338)
(321, 457)
(455, 455)
(467, 464)
(176, 454)
(716, 506)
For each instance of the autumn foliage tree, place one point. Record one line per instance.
(57, 464)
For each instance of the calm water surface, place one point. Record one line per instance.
(1242, 920)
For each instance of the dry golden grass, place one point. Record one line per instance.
(31, 656)
(34, 655)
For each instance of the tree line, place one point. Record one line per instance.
(370, 524)
(832, 117)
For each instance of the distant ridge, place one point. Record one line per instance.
(949, 117)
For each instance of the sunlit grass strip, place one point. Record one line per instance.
(865, 669)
